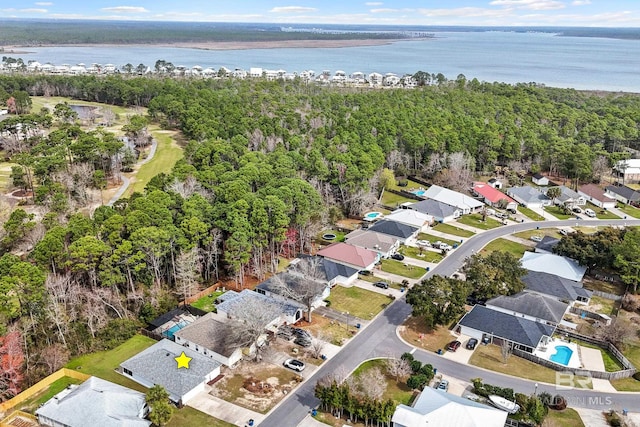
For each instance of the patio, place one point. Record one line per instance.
(558, 351)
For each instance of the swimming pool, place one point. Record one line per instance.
(175, 328)
(562, 355)
(420, 193)
(373, 215)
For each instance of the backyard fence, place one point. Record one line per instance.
(419, 180)
(591, 315)
(202, 293)
(607, 346)
(404, 193)
(607, 295)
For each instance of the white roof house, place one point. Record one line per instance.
(439, 408)
(553, 264)
(95, 402)
(410, 217)
(466, 204)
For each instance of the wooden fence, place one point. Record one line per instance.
(19, 418)
(41, 385)
(419, 180)
(606, 345)
(202, 293)
(590, 314)
(607, 295)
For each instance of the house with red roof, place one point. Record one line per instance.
(492, 196)
(596, 195)
(353, 256)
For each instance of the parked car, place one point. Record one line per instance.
(294, 364)
(512, 211)
(576, 209)
(454, 345)
(501, 215)
(285, 332)
(491, 212)
(590, 213)
(443, 385)
(383, 285)
(445, 247)
(563, 232)
(301, 333)
(425, 243)
(536, 238)
(365, 273)
(472, 343)
(398, 257)
(303, 341)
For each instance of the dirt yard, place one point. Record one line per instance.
(255, 386)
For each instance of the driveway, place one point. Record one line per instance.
(462, 355)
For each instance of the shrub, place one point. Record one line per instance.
(417, 382)
(402, 182)
(559, 403)
(328, 302)
(427, 370)
(636, 376)
(415, 366)
(407, 356)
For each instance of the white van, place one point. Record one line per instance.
(590, 213)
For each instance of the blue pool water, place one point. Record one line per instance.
(175, 328)
(373, 215)
(562, 355)
(419, 192)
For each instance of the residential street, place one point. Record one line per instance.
(379, 339)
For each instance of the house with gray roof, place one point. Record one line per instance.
(323, 269)
(243, 306)
(569, 198)
(410, 217)
(382, 243)
(530, 305)
(293, 288)
(529, 197)
(623, 194)
(95, 402)
(441, 212)
(438, 408)
(157, 365)
(554, 264)
(207, 336)
(558, 287)
(464, 202)
(404, 233)
(497, 326)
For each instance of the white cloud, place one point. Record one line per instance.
(293, 9)
(389, 10)
(466, 12)
(373, 3)
(43, 3)
(125, 9)
(530, 4)
(28, 10)
(580, 2)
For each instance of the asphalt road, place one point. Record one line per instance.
(379, 339)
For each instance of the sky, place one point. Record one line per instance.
(590, 13)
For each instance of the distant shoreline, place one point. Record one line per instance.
(232, 45)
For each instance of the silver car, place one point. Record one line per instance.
(294, 364)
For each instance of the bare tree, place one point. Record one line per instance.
(59, 308)
(186, 188)
(108, 116)
(371, 383)
(398, 368)
(599, 167)
(505, 350)
(617, 333)
(317, 346)
(54, 357)
(305, 282)
(210, 253)
(630, 302)
(187, 272)
(459, 172)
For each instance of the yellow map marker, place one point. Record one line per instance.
(183, 361)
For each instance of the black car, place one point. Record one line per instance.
(398, 257)
(301, 333)
(383, 285)
(471, 344)
(303, 341)
(365, 273)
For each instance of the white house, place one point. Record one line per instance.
(406, 234)
(383, 244)
(540, 180)
(553, 264)
(157, 365)
(465, 203)
(411, 217)
(205, 336)
(628, 170)
(242, 305)
(597, 196)
(568, 197)
(441, 212)
(323, 269)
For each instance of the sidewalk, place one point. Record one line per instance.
(224, 410)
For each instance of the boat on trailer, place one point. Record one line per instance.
(504, 404)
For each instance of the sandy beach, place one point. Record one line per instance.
(233, 45)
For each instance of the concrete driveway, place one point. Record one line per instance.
(461, 355)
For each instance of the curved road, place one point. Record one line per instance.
(379, 339)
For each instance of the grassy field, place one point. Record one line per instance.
(551, 232)
(39, 102)
(394, 200)
(432, 238)
(476, 221)
(188, 416)
(373, 279)
(166, 156)
(603, 305)
(601, 213)
(454, 231)
(530, 214)
(358, 302)
(396, 391)
(102, 364)
(490, 357)
(565, 418)
(410, 185)
(405, 270)
(558, 212)
(331, 330)
(611, 364)
(207, 302)
(626, 384)
(5, 175)
(421, 254)
(504, 245)
(629, 210)
(339, 236)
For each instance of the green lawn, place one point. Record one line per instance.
(565, 418)
(339, 236)
(38, 102)
(405, 270)
(454, 231)
(5, 175)
(188, 416)
(394, 200)
(603, 305)
(373, 279)
(601, 213)
(476, 221)
(421, 254)
(552, 232)
(626, 384)
(166, 156)
(490, 357)
(396, 391)
(410, 185)
(102, 364)
(31, 404)
(611, 364)
(558, 212)
(530, 214)
(358, 302)
(207, 302)
(629, 210)
(431, 238)
(504, 245)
